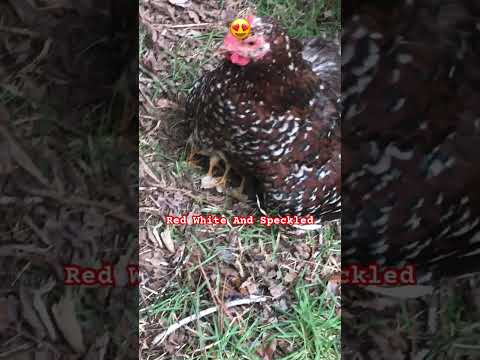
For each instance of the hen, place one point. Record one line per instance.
(411, 132)
(271, 116)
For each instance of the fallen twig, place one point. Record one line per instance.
(174, 327)
(110, 208)
(19, 31)
(182, 26)
(43, 53)
(40, 233)
(149, 101)
(149, 171)
(18, 153)
(215, 297)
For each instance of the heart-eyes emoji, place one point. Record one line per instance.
(240, 28)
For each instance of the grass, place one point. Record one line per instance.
(303, 19)
(313, 325)
(458, 335)
(310, 328)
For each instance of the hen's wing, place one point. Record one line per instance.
(309, 180)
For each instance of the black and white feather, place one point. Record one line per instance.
(411, 132)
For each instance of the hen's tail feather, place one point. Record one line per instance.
(323, 54)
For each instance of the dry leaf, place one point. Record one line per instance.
(290, 277)
(142, 236)
(29, 313)
(17, 152)
(6, 313)
(276, 291)
(41, 354)
(6, 165)
(41, 309)
(193, 15)
(267, 353)
(155, 235)
(98, 349)
(127, 259)
(181, 3)
(156, 261)
(208, 182)
(67, 322)
(250, 286)
(167, 240)
(163, 103)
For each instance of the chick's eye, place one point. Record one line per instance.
(250, 42)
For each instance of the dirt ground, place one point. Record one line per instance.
(290, 282)
(67, 181)
(283, 276)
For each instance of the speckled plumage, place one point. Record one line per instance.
(410, 138)
(276, 120)
(411, 131)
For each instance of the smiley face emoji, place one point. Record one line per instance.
(240, 28)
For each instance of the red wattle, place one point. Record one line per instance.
(239, 59)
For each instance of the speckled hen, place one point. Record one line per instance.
(271, 109)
